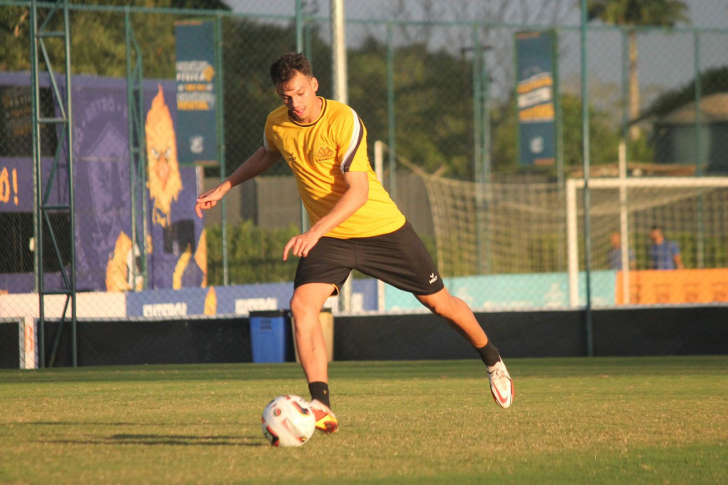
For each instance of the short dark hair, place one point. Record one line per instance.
(285, 67)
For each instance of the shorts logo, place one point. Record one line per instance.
(323, 154)
(433, 278)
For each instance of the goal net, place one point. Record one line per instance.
(533, 229)
(525, 241)
(496, 228)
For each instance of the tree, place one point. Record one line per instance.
(433, 118)
(105, 55)
(250, 48)
(14, 37)
(631, 13)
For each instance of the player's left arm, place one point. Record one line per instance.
(356, 195)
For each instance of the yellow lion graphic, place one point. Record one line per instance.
(117, 272)
(164, 181)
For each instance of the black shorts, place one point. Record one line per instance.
(398, 258)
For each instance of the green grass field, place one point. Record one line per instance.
(601, 420)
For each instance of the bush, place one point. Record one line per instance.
(255, 255)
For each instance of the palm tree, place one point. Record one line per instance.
(630, 13)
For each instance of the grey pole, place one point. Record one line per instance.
(301, 46)
(338, 66)
(338, 51)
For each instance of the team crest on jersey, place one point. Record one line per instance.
(323, 154)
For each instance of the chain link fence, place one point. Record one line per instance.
(437, 84)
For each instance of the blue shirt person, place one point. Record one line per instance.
(664, 254)
(615, 254)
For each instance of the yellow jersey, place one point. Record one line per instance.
(319, 154)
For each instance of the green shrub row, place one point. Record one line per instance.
(255, 254)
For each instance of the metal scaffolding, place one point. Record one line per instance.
(63, 121)
(137, 153)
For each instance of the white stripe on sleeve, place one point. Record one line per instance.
(355, 140)
(265, 142)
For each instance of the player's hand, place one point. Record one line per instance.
(208, 200)
(301, 245)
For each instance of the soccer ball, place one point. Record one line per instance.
(288, 421)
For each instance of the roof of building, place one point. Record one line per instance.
(713, 108)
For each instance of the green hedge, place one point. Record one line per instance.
(255, 255)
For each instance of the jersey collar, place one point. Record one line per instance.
(321, 114)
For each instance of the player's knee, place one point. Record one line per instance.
(439, 306)
(301, 308)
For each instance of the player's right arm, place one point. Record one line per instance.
(258, 163)
(677, 257)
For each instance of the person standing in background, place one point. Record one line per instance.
(615, 254)
(664, 253)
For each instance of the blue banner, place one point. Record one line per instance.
(514, 291)
(196, 94)
(536, 69)
(235, 300)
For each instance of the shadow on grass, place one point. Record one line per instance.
(86, 423)
(155, 373)
(164, 440)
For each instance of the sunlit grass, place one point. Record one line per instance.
(650, 420)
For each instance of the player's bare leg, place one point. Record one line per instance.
(460, 317)
(306, 305)
(457, 313)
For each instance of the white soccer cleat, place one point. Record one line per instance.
(501, 385)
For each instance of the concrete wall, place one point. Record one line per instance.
(629, 332)
(278, 204)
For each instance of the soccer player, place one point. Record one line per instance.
(354, 225)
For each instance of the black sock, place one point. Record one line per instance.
(320, 391)
(489, 354)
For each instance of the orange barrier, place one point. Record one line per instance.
(676, 286)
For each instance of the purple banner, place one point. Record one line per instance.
(16, 185)
(106, 252)
(175, 253)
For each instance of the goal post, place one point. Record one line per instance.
(695, 208)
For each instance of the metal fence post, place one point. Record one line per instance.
(391, 119)
(699, 162)
(586, 162)
(220, 114)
